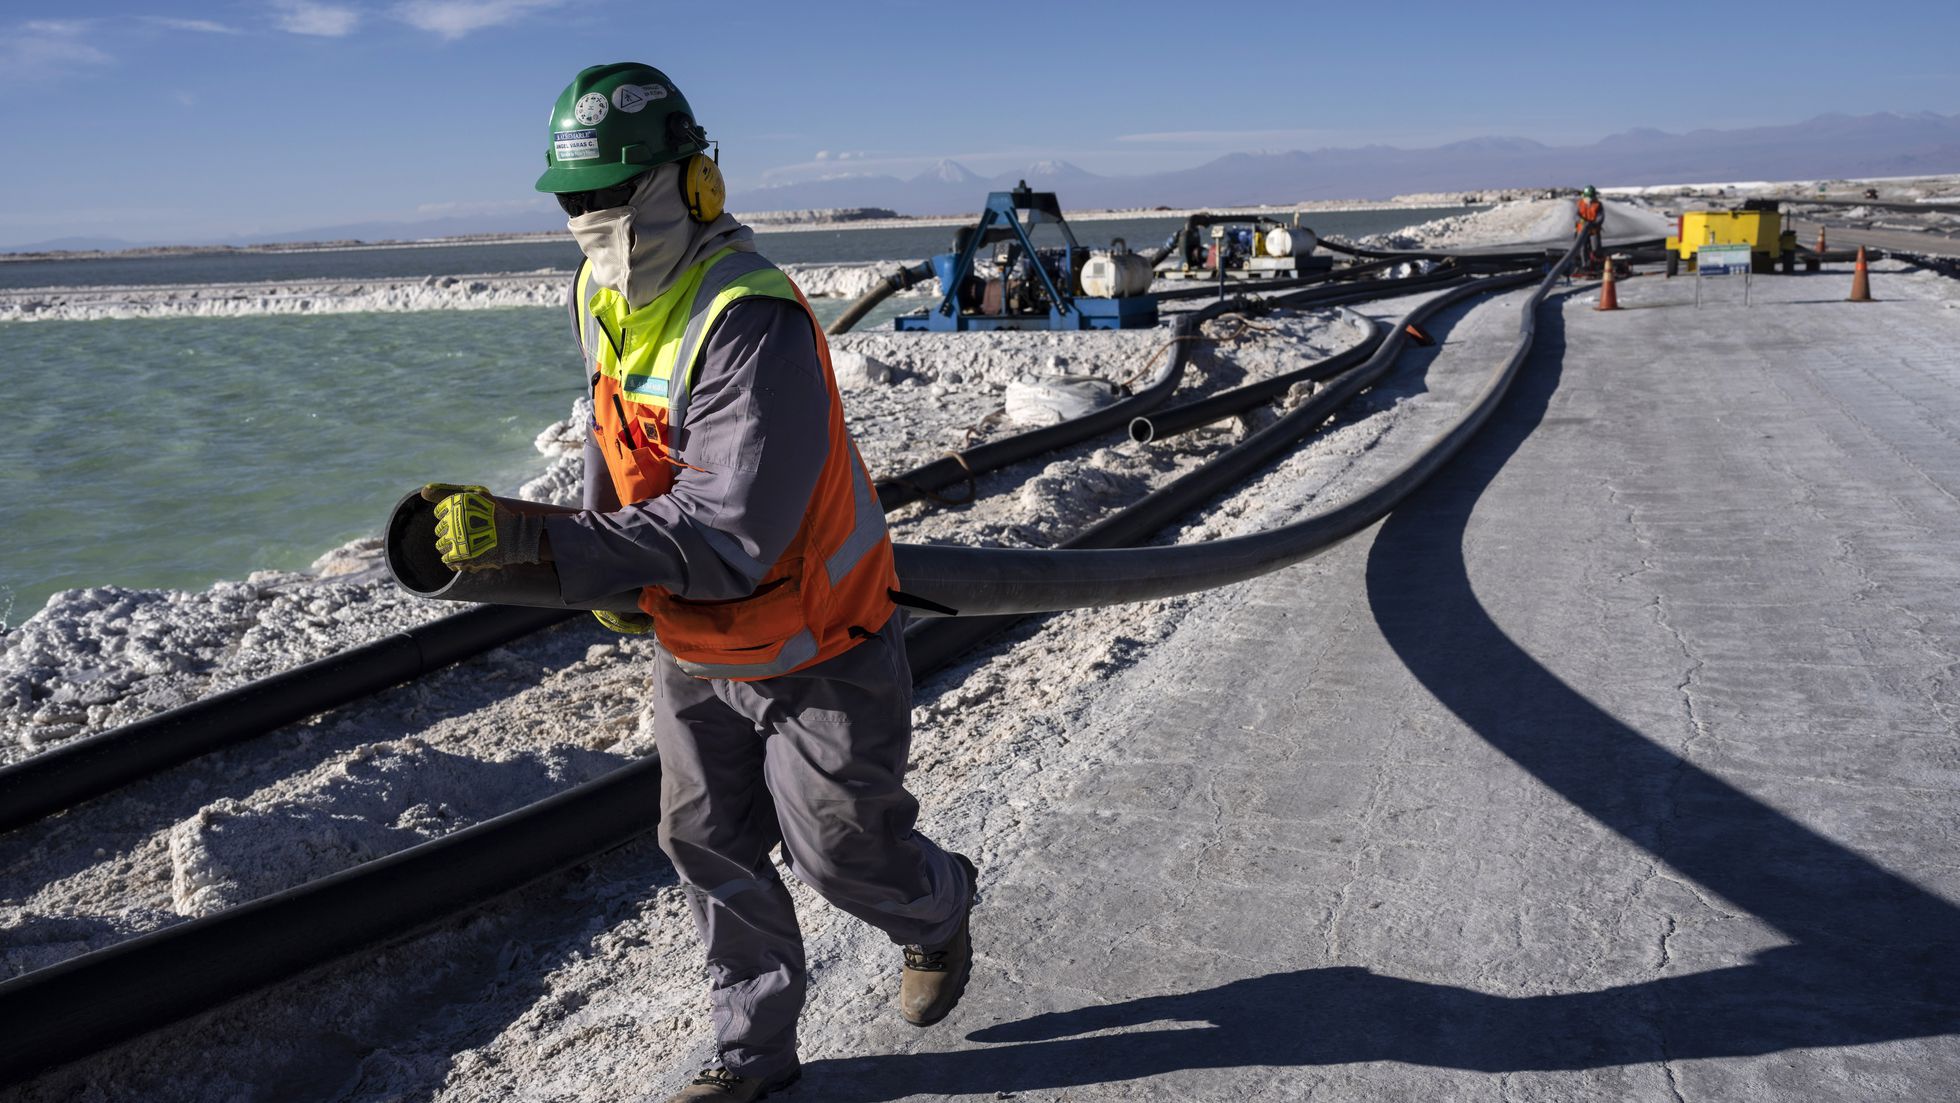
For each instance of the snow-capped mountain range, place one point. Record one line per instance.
(1823, 147)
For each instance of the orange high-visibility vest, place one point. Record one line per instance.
(1589, 211)
(833, 584)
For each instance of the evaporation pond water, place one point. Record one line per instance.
(176, 452)
(828, 246)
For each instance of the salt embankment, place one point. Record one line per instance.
(489, 291)
(1524, 221)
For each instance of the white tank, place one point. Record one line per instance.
(1290, 241)
(1115, 274)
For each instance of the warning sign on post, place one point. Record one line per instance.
(1722, 260)
(1715, 261)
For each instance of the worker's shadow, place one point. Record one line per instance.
(1872, 957)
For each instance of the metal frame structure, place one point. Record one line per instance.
(1001, 220)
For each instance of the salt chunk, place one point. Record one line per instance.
(1056, 398)
(855, 369)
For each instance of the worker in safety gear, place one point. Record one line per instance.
(1591, 215)
(722, 485)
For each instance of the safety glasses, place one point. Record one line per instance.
(599, 199)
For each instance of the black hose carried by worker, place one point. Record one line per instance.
(884, 289)
(97, 999)
(93, 765)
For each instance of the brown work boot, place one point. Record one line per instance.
(934, 980)
(718, 1085)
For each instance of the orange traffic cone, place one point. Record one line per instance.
(1861, 280)
(1608, 298)
(1821, 248)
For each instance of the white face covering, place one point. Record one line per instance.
(639, 250)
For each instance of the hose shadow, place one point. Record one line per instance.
(1871, 958)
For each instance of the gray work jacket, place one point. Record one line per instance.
(756, 437)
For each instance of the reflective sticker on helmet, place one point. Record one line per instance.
(575, 145)
(590, 109)
(630, 98)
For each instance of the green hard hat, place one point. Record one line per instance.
(614, 122)
(1591, 192)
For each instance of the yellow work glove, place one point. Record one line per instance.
(631, 624)
(472, 534)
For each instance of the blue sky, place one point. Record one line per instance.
(188, 121)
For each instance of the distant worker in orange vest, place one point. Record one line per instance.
(1591, 215)
(722, 484)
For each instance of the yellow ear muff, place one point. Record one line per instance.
(702, 188)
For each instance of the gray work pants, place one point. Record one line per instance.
(814, 760)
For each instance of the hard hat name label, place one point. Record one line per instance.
(575, 145)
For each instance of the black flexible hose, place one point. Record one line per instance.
(928, 479)
(95, 1000)
(100, 998)
(1004, 580)
(1173, 420)
(88, 767)
(880, 291)
(936, 642)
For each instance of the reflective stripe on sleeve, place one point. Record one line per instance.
(730, 550)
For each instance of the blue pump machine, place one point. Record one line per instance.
(1031, 288)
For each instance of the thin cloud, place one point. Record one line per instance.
(198, 26)
(456, 18)
(1233, 137)
(306, 17)
(48, 48)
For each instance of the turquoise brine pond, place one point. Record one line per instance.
(176, 452)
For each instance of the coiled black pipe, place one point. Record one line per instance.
(936, 642)
(1173, 420)
(88, 767)
(884, 289)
